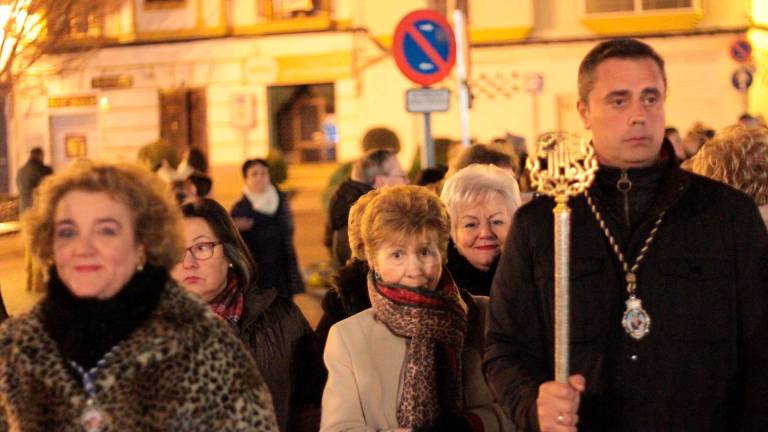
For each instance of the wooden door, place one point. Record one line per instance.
(306, 127)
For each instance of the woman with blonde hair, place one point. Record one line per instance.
(115, 344)
(737, 156)
(413, 360)
(481, 201)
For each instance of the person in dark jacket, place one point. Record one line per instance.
(377, 168)
(29, 176)
(265, 221)
(481, 199)
(349, 285)
(668, 281)
(219, 269)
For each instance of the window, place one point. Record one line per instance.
(163, 4)
(85, 24)
(289, 9)
(603, 6)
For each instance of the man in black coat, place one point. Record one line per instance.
(681, 349)
(29, 176)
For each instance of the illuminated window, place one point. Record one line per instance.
(603, 6)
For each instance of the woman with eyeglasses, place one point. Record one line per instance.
(219, 269)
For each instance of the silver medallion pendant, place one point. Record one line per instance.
(93, 418)
(636, 320)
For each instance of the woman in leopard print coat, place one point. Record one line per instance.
(115, 345)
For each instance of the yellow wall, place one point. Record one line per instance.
(758, 93)
(500, 20)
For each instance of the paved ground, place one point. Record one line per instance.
(305, 181)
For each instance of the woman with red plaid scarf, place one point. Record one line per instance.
(219, 269)
(413, 360)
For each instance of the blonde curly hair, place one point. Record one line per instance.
(737, 156)
(158, 223)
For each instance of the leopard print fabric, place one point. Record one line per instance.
(436, 324)
(182, 370)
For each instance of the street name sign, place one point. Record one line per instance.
(426, 100)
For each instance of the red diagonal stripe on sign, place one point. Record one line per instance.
(429, 50)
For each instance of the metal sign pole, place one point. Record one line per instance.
(428, 149)
(458, 23)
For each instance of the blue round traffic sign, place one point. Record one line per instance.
(741, 50)
(741, 79)
(424, 47)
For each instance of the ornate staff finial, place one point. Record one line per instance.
(562, 166)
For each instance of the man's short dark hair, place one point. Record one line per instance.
(36, 153)
(671, 130)
(631, 49)
(371, 164)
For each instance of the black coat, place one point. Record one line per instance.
(29, 176)
(704, 284)
(338, 214)
(286, 352)
(467, 276)
(270, 241)
(348, 295)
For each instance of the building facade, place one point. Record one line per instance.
(310, 77)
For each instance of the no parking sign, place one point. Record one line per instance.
(424, 47)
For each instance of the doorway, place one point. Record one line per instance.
(183, 119)
(302, 124)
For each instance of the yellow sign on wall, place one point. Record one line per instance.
(71, 101)
(75, 145)
(314, 68)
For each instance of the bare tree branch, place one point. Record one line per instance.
(37, 27)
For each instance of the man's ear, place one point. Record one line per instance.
(583, 109)
(377, 182)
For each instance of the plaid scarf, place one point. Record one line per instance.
(228, 305)
(436, 323)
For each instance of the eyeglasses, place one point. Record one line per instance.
(203, 250)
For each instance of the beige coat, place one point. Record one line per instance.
(365, 376)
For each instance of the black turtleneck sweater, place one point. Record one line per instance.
(625, 196)
(84, 330)
(467, 276)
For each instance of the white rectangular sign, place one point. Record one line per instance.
(424, 100)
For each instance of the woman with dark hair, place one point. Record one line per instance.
(219, 269)
(265, 221)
